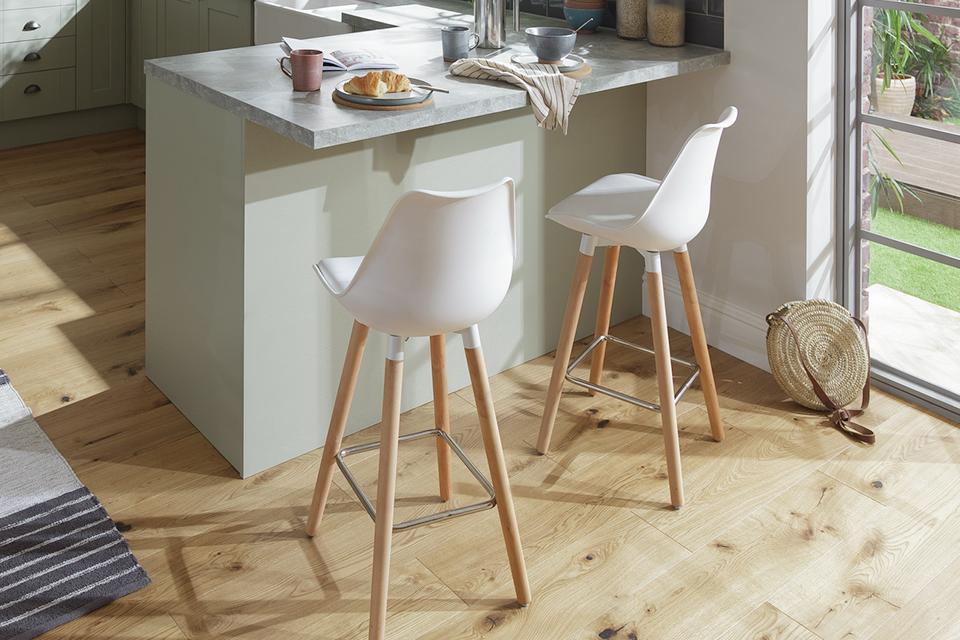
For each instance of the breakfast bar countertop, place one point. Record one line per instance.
(248, 82)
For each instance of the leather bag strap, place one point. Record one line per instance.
(840, 418)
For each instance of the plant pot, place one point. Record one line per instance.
(898, 97)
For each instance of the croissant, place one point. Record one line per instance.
(368, 85)
(396, 82)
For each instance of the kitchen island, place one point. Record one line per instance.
(249, 184)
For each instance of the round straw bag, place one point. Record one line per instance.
(820, 357)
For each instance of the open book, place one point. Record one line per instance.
(341, 60)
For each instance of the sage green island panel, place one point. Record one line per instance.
(217, 264)
(101, 52)
(194, 256)
(302, 205)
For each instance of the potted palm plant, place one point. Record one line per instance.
(899, 39)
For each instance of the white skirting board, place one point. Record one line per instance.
(729, 327)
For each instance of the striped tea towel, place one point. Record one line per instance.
(552, 94)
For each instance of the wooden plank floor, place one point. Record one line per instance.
(790, 530)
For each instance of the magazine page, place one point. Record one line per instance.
(362, 59)
(292, 44)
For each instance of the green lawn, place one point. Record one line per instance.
(925, 279)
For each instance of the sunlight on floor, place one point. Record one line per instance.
(915, 336)
(35, 303)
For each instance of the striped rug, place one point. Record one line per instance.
(61, 555)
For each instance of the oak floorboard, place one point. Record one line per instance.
(933, 613)
(725, 580)
(766, 622)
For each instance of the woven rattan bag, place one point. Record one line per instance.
(820, 357)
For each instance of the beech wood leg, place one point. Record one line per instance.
(604, 309)
(498, 471)
(568, 332)
(386, 486)
(691, 304)
(338, 421)
(668, 410)
(441, 411)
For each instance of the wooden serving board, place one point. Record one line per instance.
(581, 73)
(374, 107)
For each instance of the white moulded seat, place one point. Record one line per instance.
(441, 263)
(650, 216)
(337, 273)
(606, 207)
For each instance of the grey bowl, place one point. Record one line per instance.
(551, 44)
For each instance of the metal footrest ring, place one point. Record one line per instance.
(613, 393)
(433, 517)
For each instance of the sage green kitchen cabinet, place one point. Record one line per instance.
(226, 24)
(144, 44)
(161, 28)
(192, 26)
(178, 27)
(101, 52)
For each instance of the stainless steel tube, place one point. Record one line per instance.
(490, 22)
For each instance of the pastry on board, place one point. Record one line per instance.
(371, 85)
(396, 82)
(377, 83)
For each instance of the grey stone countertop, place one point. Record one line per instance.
(248, 81)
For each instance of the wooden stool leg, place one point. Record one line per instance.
(441, 410)
(568, 332)
(668, 410)
(604, 309)
(386, 486)
(691, 304)
(498, 467)
(338, 422)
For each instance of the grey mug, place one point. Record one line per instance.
(457, 42)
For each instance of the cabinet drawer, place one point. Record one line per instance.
(32, 4)
(35, 94)
(37, 55)
(37, 24)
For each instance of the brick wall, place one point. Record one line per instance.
(948, 29)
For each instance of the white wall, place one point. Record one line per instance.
(770, 235)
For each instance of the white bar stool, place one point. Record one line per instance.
(442, 262)
(650, 216)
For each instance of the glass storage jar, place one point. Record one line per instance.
(632, 19)
(666, 22)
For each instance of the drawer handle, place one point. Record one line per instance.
(32, 88)
(33, 56)
(33, 25)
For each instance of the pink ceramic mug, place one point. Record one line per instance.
(306, 69)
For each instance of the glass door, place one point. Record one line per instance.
(901, 191)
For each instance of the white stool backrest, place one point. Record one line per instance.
(680, 208)
(442, 261)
